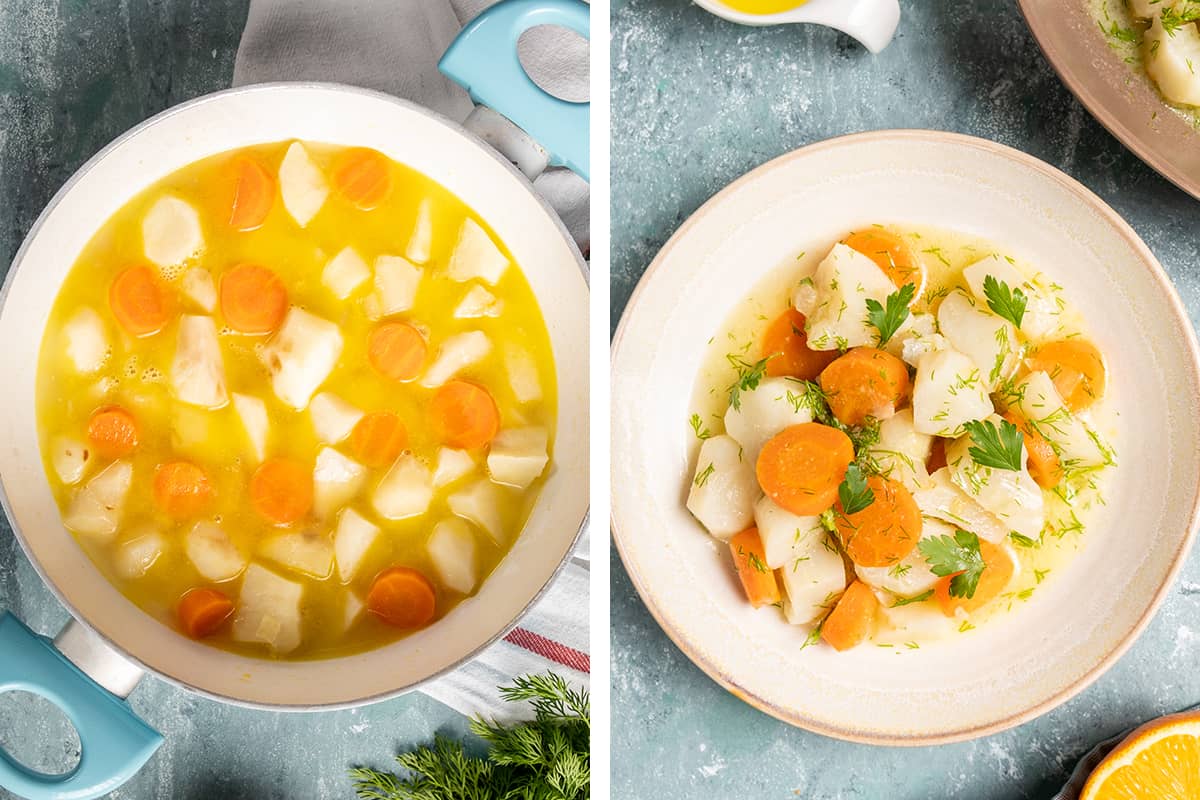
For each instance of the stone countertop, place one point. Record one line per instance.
(73, 76)
(697, 102)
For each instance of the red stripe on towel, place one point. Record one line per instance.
(548, 648)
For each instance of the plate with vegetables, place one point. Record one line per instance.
(878, 409)
(1135, 65)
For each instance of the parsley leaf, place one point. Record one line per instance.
(888, 320)
(749, 376)
(905, 601)
(1005, 302)
(958, 556)
(853, 492)
(998, 449)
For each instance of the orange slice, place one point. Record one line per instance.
(1161, 760)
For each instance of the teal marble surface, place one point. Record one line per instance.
(697, 102)
(73, 75)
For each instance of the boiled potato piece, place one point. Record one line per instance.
(522, 374)
(215, 557)
(911, 575)
(451, 465)
(332, 417)
(301, 184)
(919, 622)
(351, 611)
(198, 372)
(518, 456)
(1172, 59)
(405, 491)
(1042, 312)
(478, 302)
(1012, 496)
(420, 244)
(942, 499)
(308, 552)
(301, 355)
(812, 577)
(988, 340)
(1077, 445)
(902, 450)
(268, 610)
(781, 531)
(916, 337)
(396, 284)
(70, 458)
(134, 557)
(96, 509)
(456, 354)
(765, 411)
(171, 233)
(351, 541)
(86, 341)
(948, 392)
(452, 551)
(724, 489)
(844, 282)
(252, 411)
(481, 503)
(197, 285)
(345, 272)
(336, 480)
(1148, 9)
(476, 256)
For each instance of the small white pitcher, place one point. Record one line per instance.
(871, 22)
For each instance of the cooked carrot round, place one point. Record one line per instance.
(750, 559)
(997, 572)
(885, 531)
(281, 491)
(893, 254)
(363, 176)
(464, 415)
(378, 438)
(253, 194)
(865, 382)
(253, 299)
(181, 489)
(1043, 463)
(203, 611)
(1077, 369)
(852, 619)
(112, 432)
(403, 597)
(396, 350)
(140, 301)
(786, 345)
(800, 468)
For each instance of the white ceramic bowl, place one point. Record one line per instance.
(320, 113)
(1021, 664)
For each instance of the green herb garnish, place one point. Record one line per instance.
(1005, 302)
(905, 601)
(703, 476)
(996, 448)
(853, 492)
(887, 320)
(749, 376)
(698, 428)
(958, 556)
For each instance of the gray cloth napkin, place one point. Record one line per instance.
(393, 46)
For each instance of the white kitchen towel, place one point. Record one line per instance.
(393, 46)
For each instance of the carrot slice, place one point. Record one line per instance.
(203, 611)
(937, 455)
(865, 382)
(396, 350)
(1077, 369)
(253, 299)
(997, 572)
(253, 194)
(181, 489)
(786, 345)
(140, 302)
(1043, 463)
(800, 467)
(852, 619)
(751, 561)
(464, 415)
(403, 597)
(281, 491)
(112, 432)
(363, 176)
(885, 531)
(378, 438)
(893, 254)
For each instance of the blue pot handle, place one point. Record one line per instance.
(114, 742)
(483, 60)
